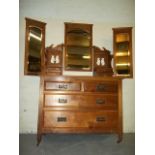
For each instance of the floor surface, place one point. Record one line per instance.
(70, 144)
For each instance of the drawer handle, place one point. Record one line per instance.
(100, 119)
(61, 119)
(62, 100)
(100, 87)
(100, 101)
(63, 86)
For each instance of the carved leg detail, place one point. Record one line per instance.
(39, 137)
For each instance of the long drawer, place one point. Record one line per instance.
(80, 119)
(83, 101)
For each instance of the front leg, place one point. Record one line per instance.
(39, 138)
(120, 137)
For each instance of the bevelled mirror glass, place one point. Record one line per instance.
(78, 47)
(122, 43)
(34, 46)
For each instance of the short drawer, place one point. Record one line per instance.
(85, 119)
(61, 100)
(64, 86)
(108, 102)
(100, 86)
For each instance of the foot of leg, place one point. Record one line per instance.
(39, 137)
(119, 138)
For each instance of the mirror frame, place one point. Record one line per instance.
(84, 27)
(40, 25)
(121, 30)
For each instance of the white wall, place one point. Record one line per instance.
(103, 14)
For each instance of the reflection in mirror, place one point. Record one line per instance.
(78, 51)
(78, 37)
(123, 51)
(34, 46)
(78, 58)
(34, 57)
(122, 55)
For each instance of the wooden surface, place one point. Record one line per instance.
(54, 68)
(77, 104)
(80, 105)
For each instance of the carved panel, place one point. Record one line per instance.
(102, 62)
(54, 59)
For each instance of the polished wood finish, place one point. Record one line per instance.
(54, 60)
(120, 117)
(100, 86)
(79, 119)
(65, 86)
(31, 23)
(40, 111)
(98, 101)
(80, 105)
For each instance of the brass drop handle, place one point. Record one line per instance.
(62, 100)
(100, 119)
(100, 87)
(63, 86)
(100, 101)
(61, 119)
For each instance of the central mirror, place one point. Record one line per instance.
(78, 47)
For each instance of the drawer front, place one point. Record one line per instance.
(83, 101)
(100, 87)
(108, 102)
(79, 119)
(61, 100)
(64, 86)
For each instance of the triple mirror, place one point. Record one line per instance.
(78, 50)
